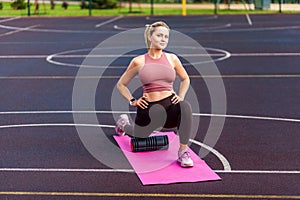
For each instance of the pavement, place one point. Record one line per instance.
(240, 6)
(46, 154)
(234, 6)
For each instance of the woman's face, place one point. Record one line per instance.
(159, 38)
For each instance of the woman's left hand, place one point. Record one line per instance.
(176, 99)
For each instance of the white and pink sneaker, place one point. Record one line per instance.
(184, 158)
(121, 122)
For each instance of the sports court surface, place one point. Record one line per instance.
(43, 157)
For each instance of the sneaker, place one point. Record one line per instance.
(121, 122)
(184, 158)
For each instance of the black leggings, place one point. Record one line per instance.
(164, 114)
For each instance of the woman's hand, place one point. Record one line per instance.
(141, 102)
(176, 99)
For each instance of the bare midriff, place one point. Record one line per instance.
(156, 96)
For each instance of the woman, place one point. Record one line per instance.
(159, 106)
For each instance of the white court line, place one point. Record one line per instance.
(249, 19)
(191, 76)
(50, 30)
(116, 27)
(227, 168)
(132, 112)
(9, 19)
(95, 170)
(247, 15)
(62, 170)
(108, 21)
(49, 59)
(22, 56)
(245, 76)
(223, 160)
(132, 55)
(252, 29)
(201, 31)
(56, 124)
(120, 28)
(185, 55)
(206, 28)
(17, 31)
(258, 171)
(266, 54)
(248, 117)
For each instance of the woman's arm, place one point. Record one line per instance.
(131, 71)
(182, 74)
(128, 75)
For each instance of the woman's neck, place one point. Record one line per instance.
(155, 53)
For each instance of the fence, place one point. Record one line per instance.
(151, 7)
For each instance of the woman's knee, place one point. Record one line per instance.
(185, 107)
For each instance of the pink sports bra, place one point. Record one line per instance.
(157, 74)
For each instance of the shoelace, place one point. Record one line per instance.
(185, 155)
(123, 122)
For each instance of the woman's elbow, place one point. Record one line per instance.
(186, 80)
(120, 85)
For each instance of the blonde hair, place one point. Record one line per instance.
(151, 28)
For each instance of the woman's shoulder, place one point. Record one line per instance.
(171, 56)
(139, 60)
(173, 59)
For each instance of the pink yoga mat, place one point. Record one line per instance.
(161, 167)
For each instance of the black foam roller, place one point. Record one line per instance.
(153, 143)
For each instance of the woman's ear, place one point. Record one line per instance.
(149, 38)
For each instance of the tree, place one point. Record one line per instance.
(99, 4)
(18, 4)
